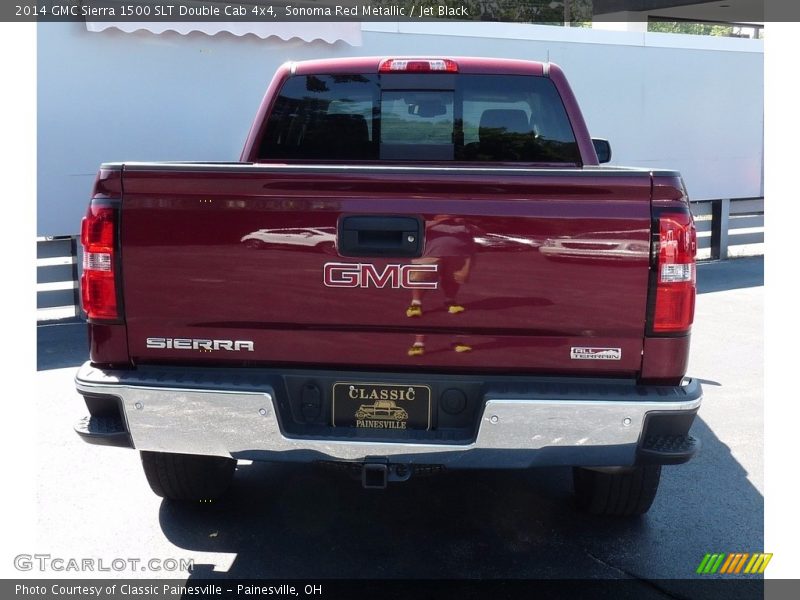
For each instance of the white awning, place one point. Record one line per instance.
(308, 32)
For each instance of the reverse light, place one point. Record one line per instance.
(98, 282)
(675, 273)
(418, 65)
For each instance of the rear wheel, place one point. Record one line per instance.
(186, 476)
(624, 493)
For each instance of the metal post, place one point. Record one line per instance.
(73, 251)
(720, 217)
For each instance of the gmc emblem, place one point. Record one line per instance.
(351, 275)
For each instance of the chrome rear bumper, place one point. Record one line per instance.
(219, 415)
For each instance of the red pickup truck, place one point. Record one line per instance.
(417, 263)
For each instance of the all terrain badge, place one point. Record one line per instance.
(583, 353)
(381, 406)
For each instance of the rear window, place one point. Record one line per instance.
(471, 118)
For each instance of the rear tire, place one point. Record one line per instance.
(622, 494)
(186, 476)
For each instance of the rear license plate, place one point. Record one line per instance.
(381, 406)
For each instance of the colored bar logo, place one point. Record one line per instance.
(735, 563)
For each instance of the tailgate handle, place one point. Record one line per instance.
(368, 235)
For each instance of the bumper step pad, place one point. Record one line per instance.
(668, 449)
(104, 431)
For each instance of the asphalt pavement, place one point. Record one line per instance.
(308, 522)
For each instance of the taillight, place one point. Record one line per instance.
(418, 65)
(675, 285)
(98, 282)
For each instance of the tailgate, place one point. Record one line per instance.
(519, 270)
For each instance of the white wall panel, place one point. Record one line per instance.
(685, 102)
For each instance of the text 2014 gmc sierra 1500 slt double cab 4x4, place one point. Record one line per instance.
(418, 263)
